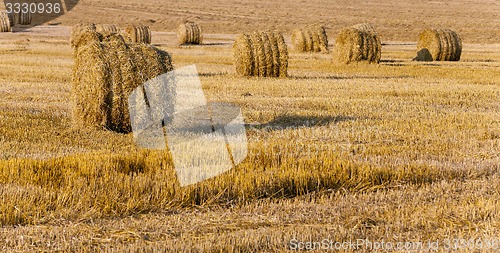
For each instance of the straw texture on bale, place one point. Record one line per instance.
(5, 23)
(105, 73)
(439, 45)
(355, 45)
(189, 33)
(367, 27)
(138, 34)
(24, 18)
(310, 39)
(80, 29)
(263, 54)
(106, 28)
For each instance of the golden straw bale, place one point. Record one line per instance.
(106, 71)
(354, 45)
(189, 33)
(261, 54)
(438, 45)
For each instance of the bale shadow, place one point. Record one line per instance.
(423, 55)
(216, 44)
(284, 122)
(351, 77)
(213, 74)
(392, 61)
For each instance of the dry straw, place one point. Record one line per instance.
(263, 54)
(106, 71)
(439, 45)
(189, 33)
(355, 45)
(310, 39)
(5, 22)
(138, 34)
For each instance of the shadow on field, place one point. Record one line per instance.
(349, 77)
(212, 74)
(217, 44)
(293, 121)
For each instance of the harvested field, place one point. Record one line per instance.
(399, 151)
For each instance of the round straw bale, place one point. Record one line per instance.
(138, 34)
(298, 40)
(348, 46)
(189, 33)
(243, 55)
(430, 40)
(283, 54)
(319, 38)
(310, 39)
(106, 28)
(5, 24)
(125, 67)
(268, 54)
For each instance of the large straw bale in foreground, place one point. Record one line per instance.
(263, 54)
(106, 71)
(138, 34)
(310, 39)
(189, 33)
(439, 45)
(355, 45)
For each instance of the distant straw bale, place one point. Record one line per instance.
(5, 23)
(439, 45)
(189, 33)
(310, 39)
(138, 34)
(106, 71)
(355, 45)
(106, 28)
(261, 54)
